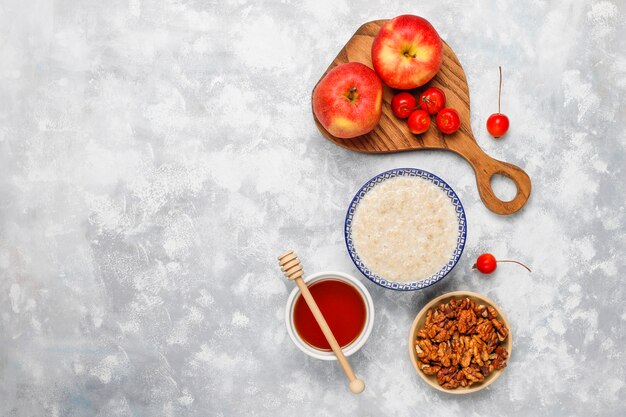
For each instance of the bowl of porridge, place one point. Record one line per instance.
(405, 229)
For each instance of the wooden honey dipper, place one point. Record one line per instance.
(291, 267)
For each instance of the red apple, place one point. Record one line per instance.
(407, 52)
(348, 100)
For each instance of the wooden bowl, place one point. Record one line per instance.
(418, 323)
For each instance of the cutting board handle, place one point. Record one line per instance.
(486, 167)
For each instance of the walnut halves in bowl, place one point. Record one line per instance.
(460, 341)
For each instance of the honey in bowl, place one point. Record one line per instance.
(342, 306)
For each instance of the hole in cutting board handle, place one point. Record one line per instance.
(503, 187)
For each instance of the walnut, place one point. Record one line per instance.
(446, 377)
(428, 369)
(484, 329)
(473, 374)
(481, 348)
(500, 328)
(422, 334)
(466, 359)
(460, 343)
(501, 356)
(449, 311)
(481, 311)
(429, 315)
(466, 321)
(451, 384)
(438, 317)
(426, 350)
(442, 336)
(444, 354)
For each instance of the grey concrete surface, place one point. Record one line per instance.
(156, 157)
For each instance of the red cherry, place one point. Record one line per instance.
(432, 100)
(487, 263)
(497, 124)
(419, 122)
(448, 120)
(403, 104)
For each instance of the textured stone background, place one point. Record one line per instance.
(155, 157)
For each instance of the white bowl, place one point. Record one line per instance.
(422, 282)
(353, 346)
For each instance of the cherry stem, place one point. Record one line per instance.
(516, 262)
(500, 87)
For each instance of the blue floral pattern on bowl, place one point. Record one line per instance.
(460, 243)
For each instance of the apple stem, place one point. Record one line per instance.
(351, 93)
(500, 87)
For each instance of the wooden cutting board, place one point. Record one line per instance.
(392, 134)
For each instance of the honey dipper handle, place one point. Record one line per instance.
(486, 167)
(291, 267)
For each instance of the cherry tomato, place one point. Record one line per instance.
(448, 120)
(403, 104)
(497, 125)
(486, 263)
(432, 100)
(419, 121)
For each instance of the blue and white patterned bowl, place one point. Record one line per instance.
(460, 243)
